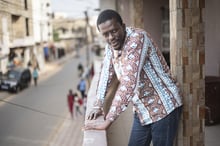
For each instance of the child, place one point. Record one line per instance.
(77, 104)
(70, 100)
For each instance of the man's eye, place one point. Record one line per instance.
(105, 35)
(114, 31)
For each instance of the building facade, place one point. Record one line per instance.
(24, 30)
(42, 29)
(69, 29)
(16, 31)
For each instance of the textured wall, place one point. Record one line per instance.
(187, 63)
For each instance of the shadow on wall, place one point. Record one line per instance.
(119, 132)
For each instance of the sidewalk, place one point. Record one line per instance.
(69, 133)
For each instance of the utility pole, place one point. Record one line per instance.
(86, 37)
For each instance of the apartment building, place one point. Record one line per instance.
(25, 27)
(16, 31)
(70, 33)
(42, 29)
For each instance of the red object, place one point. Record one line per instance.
(80, 101)
(70, 103)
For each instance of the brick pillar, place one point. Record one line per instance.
(187, 53)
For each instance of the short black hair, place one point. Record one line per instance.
(108, 14)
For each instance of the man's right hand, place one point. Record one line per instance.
(95, 113)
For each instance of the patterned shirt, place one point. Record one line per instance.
(144, 79)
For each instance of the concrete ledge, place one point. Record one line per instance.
(94, 137)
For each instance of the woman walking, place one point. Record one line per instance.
(35, 75)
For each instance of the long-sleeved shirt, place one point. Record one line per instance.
(144, 76)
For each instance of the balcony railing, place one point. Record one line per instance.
(94, 137)
(119, 131)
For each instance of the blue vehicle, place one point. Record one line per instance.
(15, 79)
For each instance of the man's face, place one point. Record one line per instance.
(113, 32)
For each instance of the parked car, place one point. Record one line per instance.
(1, 74)
(16, 79)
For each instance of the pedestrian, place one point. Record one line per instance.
(77, 103)
(70, 101)
(80, 69)
(35, 75)
(92, 72)
(144, 80)
(85, 103)
(82, 87)
(46, 53)
(33, 62)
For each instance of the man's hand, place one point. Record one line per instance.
(98, 126)
(95, 113)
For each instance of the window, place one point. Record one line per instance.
(48, 4)
(14, 19)
(25, 4)
(15, 29)
(27, 26)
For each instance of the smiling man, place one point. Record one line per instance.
(144, 80)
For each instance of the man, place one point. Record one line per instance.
(145, 81)
(82, 87)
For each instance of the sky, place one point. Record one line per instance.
(75, 8)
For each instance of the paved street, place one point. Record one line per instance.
(46, 117)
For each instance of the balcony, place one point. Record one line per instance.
(118, 133)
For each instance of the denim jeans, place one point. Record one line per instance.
(161, 133)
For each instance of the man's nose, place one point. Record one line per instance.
(110, 36)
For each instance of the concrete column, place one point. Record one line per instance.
(187, 53)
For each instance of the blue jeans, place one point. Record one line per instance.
(161, 133)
